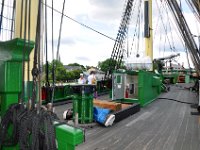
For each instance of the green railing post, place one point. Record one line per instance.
(11, 59)
(11, 70)
(68, 137)
(83, 102)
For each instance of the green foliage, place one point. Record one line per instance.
(61, 75)
(76, 64)
(76, 73)
(106, 65)
(70, 75)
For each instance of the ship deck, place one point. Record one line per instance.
(162, 125)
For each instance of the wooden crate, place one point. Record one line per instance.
(109, 105)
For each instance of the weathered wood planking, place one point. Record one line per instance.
(162, 125)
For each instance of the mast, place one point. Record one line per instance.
(25, 28)
(19, 25)
(20, 19)
(148, 32)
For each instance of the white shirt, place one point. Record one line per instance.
(81, 81)
(91, 79)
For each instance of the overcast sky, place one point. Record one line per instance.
(84, 46)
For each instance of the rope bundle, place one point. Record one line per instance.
(32, 130)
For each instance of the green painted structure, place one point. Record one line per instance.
(61, 93)
(173, 77)
(11, 70)
(147, 86)
(83, 102)
(68, 137)
(12, 54)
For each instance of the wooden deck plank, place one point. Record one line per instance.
(162, 125)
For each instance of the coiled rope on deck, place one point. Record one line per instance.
(28, 125)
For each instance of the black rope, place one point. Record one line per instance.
(171, 22)
(195, 7)
(185, 33)
(1, 17)
(60, 30)
(6, 5)
(39, 64)
(138, 36)
(28, 124)
(13, 18)
(24, 52)
(35, 70)
(46, 51)
(7, 29)
(46, 46)
(170, 28)
(164, 27)
(29, 30)
(8, 18)
(86, 26)
(53, 65)
(136, 26)
(10, 117)
(59, 37)
(176, 100)
(21, 21)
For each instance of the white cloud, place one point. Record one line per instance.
(81, 45)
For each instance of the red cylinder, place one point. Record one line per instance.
(126, 93)
(44, 93)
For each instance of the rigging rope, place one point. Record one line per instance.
(160, 14)
(86, 26)
(21, 21)
(171, 22)
(47, 85)
(118, 51)
(185, 33)
(1, 17)
(28, 124)
(138, 43)
(24, 51)
(135, 28)
(13, 16)
(195, 7)
(59, 38)
(28, 65)
(32, 129)
(136, 32)
(35, 71)
(53, 65)
(60, 31)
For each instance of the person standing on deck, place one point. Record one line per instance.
(81, 80)
(92, 78)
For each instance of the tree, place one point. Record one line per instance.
(77, 73)
(60, 71)
(105, 65)
(69, 75)
(109, 64)
(76, 64)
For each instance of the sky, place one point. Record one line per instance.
(86, 47)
